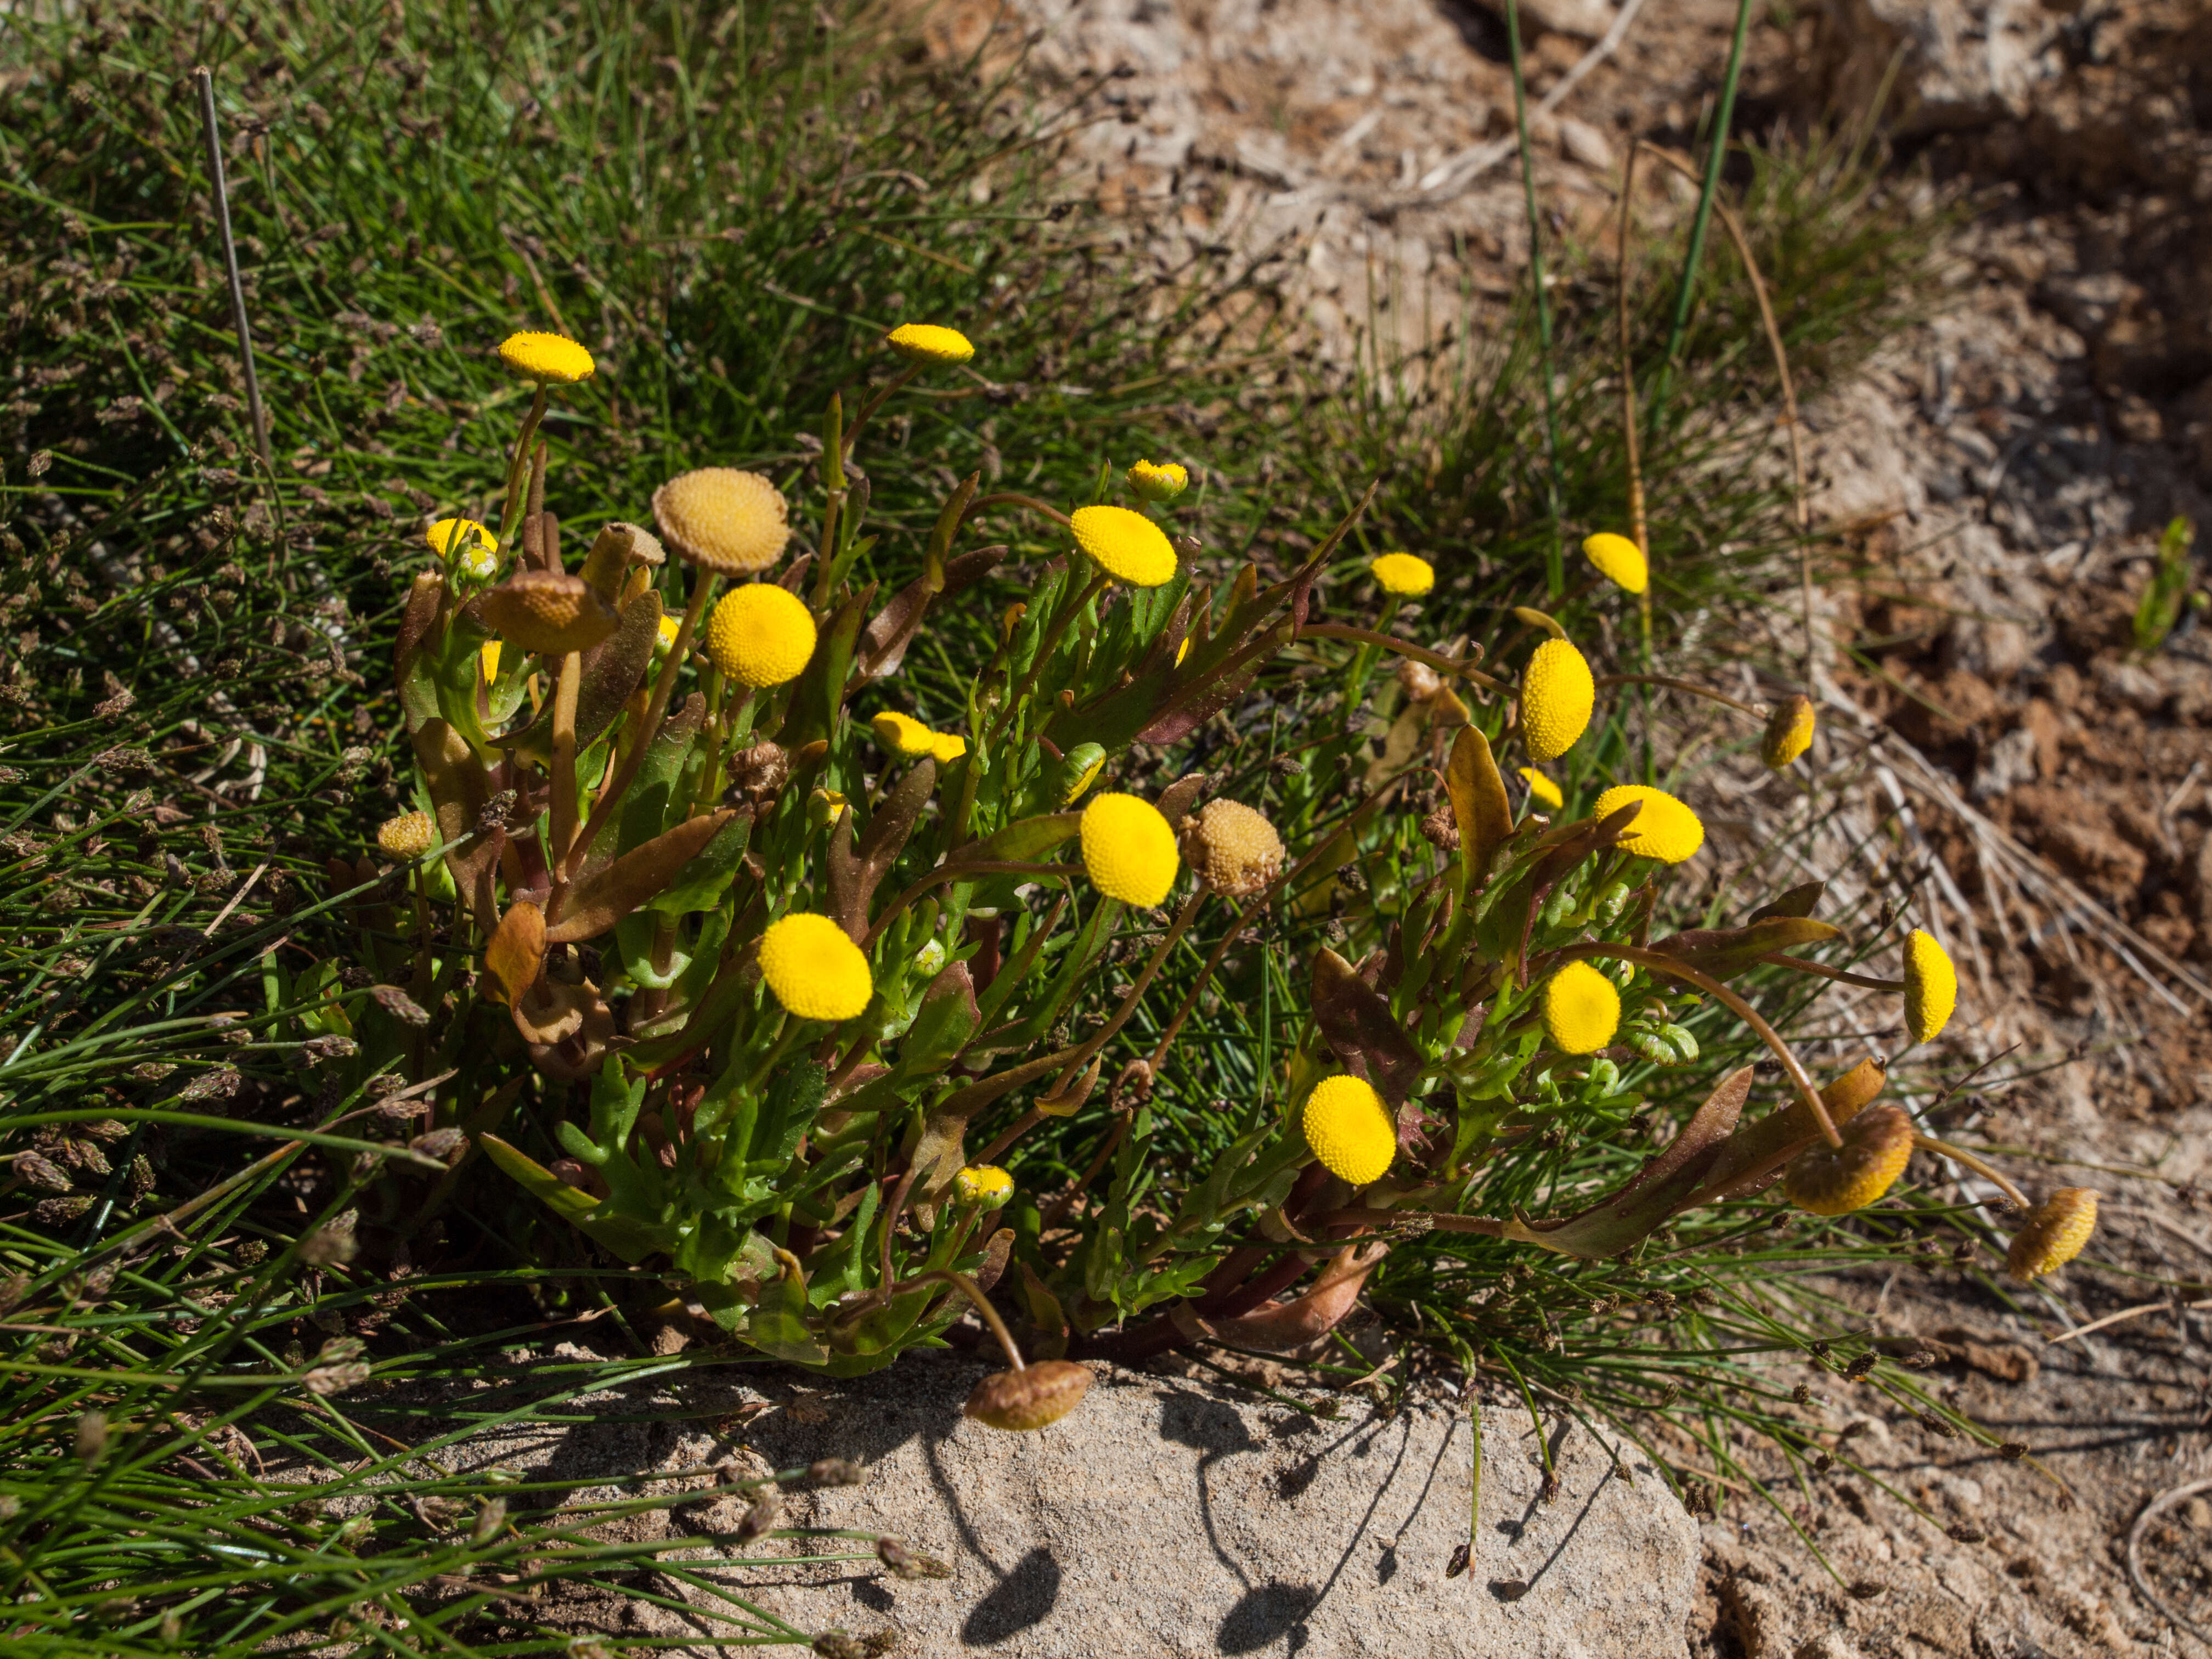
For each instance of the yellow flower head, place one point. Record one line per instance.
(1126, 545)
(1349, 1129)
(1931, 986)
(1182, 650)
(1789, 732)
(1129, 849)
(723, 519)
(926, 343)
(1838, 1180)
(407, 836)
(760, 635)
(666, 640)
(984, 1185)
(1080, 768)
(2053, 1234)
(1160, 483)
(815, 970)
(946, 747)
(1404, 573)
(1663, 828)
(903, 734)
(489, 656)
(1541, 789)
(1619, 560)
(1557, 695)
(1242, 853)
(449, 536)
(1582, 1010)
(546, 357)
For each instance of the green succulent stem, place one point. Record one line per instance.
(510, 512)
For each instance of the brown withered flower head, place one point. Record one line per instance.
(760, 772)
(723, 519)
(546, 612)
(1239, 853)
(1030, 1398)
(1417, 680)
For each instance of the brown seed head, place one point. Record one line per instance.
(1239, 852)
(1419, 680)
(547, 612)
(908, 1563)
(407, 836)
(759, 772)
(723, 519)
(2053, 1234)
(834, 1471)
(1838, 1180)
(1025, 1400)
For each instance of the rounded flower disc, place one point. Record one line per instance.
(1244, 853)
(926, 343)
(1541, 789)
(1582, 1009)
(760, 635)
(1931, 986)
(1129, 849)
(1162, 482)
(2053, 1234)
(815, 970)
(1349, 1130)
(1789, 732)
(551, 357)
(1663, 828)
(903, 734)
(946, 747)
(407, 836)
(449, 536)
(1557, 695)
(723, 518)
(1619, 560)
(1127, 546)
(1404, 573)
(1838, 1180)
(985, 1185)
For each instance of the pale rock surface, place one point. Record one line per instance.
(1164, 1518)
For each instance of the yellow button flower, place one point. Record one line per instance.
(1931, 986)
(1582, 1010)
(984, 1185)
(449, 536)
(1160, 483)
(1129, 849)
(489, 657)
(1789, 732)
(2053, 1234)
(1557, 695)
(1542, 788)
(815, 970)
(1838, 1180)
(1349, 1129)
(903, 734)
(407, 836)
(1619, 560)
(723, 518)
(1404, 573)
(1242, 853)
(760, 635)
(926, 343)
(546, 357)
(946, 747)
(1663, 828)
(1126, 545)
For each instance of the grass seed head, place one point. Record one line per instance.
(1582, 1009)
(550, 359)
(1029, 1399)
(1405, 574)
(760, 635)
(928, 342)
(1619, 560)
(1127, 545)
(1789, 732)
(1129, 849)
(1838, 1180)
(1931, 986)
(816, 971)
(1349, 1129)
(723, 519)
(1240, 852)
(406, 837)
(1160, 481)
(1558, 693)
(1663, 828)
(2053, 1234)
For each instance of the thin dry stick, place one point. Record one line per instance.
(2158, 1506)
(2126, 1313)
(1637, 526)
(205, 76)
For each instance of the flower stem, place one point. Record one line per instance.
(1050, 643)
(1404, 648)
(1841, 975)
(1960, 1154)
(1688, 686)
(510, 510)
(989, 1315)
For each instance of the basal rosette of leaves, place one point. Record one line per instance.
(799, 973)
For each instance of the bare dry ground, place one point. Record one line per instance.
(1993, 482)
